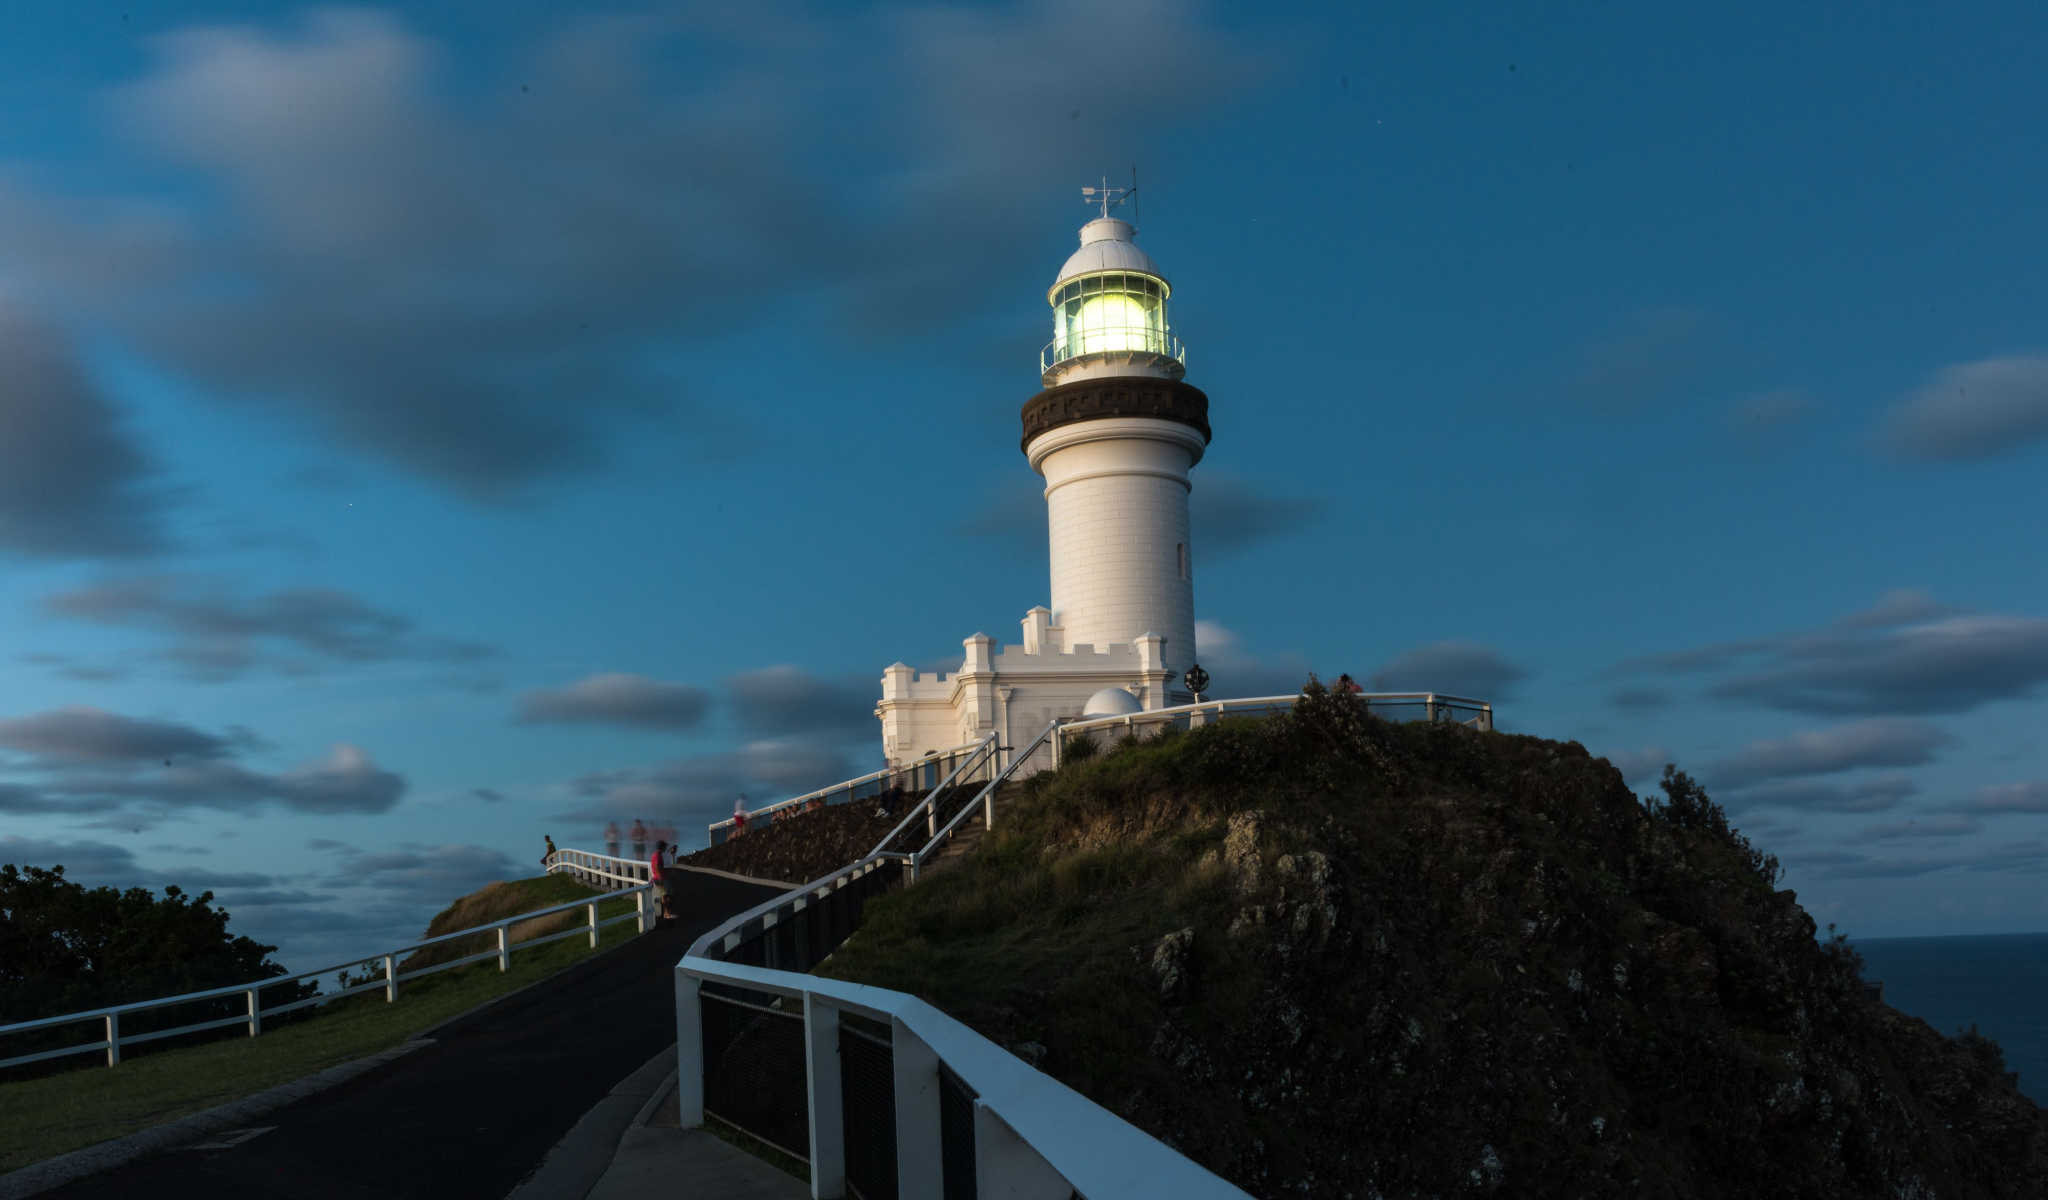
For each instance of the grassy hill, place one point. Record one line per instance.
(1328, 955)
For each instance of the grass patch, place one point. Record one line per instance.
(59, 1113)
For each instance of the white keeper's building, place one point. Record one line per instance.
(1114, 433)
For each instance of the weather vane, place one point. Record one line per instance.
(1110, 197)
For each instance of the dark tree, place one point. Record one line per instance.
(66, 948)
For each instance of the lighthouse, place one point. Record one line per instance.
(1113, 433)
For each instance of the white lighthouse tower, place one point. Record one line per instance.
(1114, 433)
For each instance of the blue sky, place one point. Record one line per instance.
(423, 429)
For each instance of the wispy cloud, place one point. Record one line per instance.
(1972, 410)
(87, 761)
(1879, 742)
(1457, 667)
(364, 203)
(618, 699)
(1907, 654)
(219, 634)
(74, 483)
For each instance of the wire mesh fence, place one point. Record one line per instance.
(867, 1096)
(755, 1079)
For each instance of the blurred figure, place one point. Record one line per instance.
(611, 839)
(739, 815)
(639, 834)
(548, 859)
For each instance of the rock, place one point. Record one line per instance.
(1241, 850)
(1171, 964)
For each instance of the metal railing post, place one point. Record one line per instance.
(255, 1014)
(113, 1039)
(689, 1050)
(390, 979)
(504, 948)
(920, 1153)
(593, 924)
(822, 1083)
(640, 907)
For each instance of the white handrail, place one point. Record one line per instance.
(846, 785)
(111, 1014)
(1027, 1125)
(928, 804)
(984, 799)
(1429, 700)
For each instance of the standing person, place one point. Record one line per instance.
(1346, 683)
(639, 838)
(548, 859)
(611, 839)
(739, 815)
(654, 875)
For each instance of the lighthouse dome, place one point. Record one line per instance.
(1111, 702)
(1106, 245)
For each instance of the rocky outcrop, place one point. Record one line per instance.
(1406, 961)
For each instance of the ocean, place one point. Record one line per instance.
(1997, 982)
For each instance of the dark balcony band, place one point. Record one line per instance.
(1088, 399)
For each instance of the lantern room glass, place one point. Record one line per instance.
(1108, 313)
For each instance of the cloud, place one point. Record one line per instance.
(91, 761)
(220, 635)
(1879, 742)
(1901, 606)
(1870, 868)
(1917, 827)
(1953, 664)
(26, 801)
(1907, 654)
(1639, 698)
(694, 791)
(633, 701)
(1869, 795)
(2028, 797)
(73, 482)
(392, 269)
(1229, 514)
(786, 699)
(488, 795)
(423, 873)
(1455, 667)
(91, 735)
(1972, 410)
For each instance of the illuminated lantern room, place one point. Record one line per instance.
(1109, 311)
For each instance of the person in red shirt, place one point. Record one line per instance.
(654, 868)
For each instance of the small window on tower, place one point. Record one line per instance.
(1182, 547)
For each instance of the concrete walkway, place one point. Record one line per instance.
(658, 1158)
(474, 1111)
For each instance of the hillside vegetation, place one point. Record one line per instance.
(496, 901)
(1327, 955)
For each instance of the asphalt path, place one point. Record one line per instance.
(474, 1113)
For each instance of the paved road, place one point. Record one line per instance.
(471, 1115)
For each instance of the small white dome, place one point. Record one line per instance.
(1106, 245)
(1111, 702)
